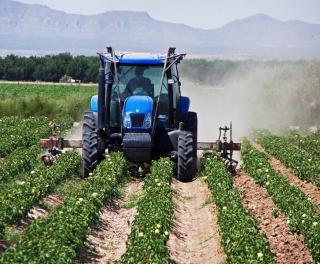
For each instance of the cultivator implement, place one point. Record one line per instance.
(225, 148)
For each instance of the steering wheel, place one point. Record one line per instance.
(139, 91)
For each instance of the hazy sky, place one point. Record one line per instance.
(196, 13)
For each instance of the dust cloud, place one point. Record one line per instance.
(272, 97)
(75, 132)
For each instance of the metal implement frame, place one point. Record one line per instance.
(59, 142)
(169, 56)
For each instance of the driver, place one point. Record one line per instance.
(139, 81)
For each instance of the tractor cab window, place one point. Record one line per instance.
(138, 80)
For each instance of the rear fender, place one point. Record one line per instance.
(184, 105)
(94, 104)
(168, 142)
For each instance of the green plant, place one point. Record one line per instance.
(48, 100)
(303, 164)
(151, 226)
(58, 237)
(276, 213)
(16, 201)
(11, 235)
(241, 239)
(18, 162)
(28, 132)
(310, 143)
(302, 215)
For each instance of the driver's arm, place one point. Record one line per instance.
(130, 87)
(149, 87)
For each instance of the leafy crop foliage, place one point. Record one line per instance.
(302, 163)
(49, 100)
(151, 226)
(28, 132)
(310, 143)
(19, 161)
(57, 238)
(241, 239)
(25, 133)
(300, 211)
(17, 200)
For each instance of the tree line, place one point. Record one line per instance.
(50, 68)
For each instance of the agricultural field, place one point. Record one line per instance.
(24, 99)
(268, 213)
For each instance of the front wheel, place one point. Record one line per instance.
(186, 167)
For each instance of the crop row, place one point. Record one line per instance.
(18, 162)
(302, 163)
(27, 132)
(8, 121)
(241, 239)
(19, 197)
(151, 226)
(311, 144)
(58, 237)
(300, 211)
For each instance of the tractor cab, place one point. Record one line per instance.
(139, 91)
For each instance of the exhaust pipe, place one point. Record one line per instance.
(101, 99)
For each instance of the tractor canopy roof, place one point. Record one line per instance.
(140, 58)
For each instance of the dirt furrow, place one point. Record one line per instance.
(39, 211)
(3, 246)
(287, 247)
(36, 212)
(195, 236)
(310, 190)
(107, 240)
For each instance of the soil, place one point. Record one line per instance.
(310, 190)
(195, 235)
(287, 247)
(39, 211)
(3, 246)
(107, 240)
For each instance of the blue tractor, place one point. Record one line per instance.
(140, 111)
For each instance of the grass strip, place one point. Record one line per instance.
(18, 199)
(150, 228)
(58, 237)
(241, 239)
(294, 204)
(302, 163)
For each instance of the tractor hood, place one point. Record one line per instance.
(137, 113)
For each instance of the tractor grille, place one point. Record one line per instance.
(137, 120)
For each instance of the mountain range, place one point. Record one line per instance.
(36, 29)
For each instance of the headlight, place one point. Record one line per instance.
(127, 121)
(148, 121)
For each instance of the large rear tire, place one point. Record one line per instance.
(91, 153)
(192, 126)
(186, 163)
